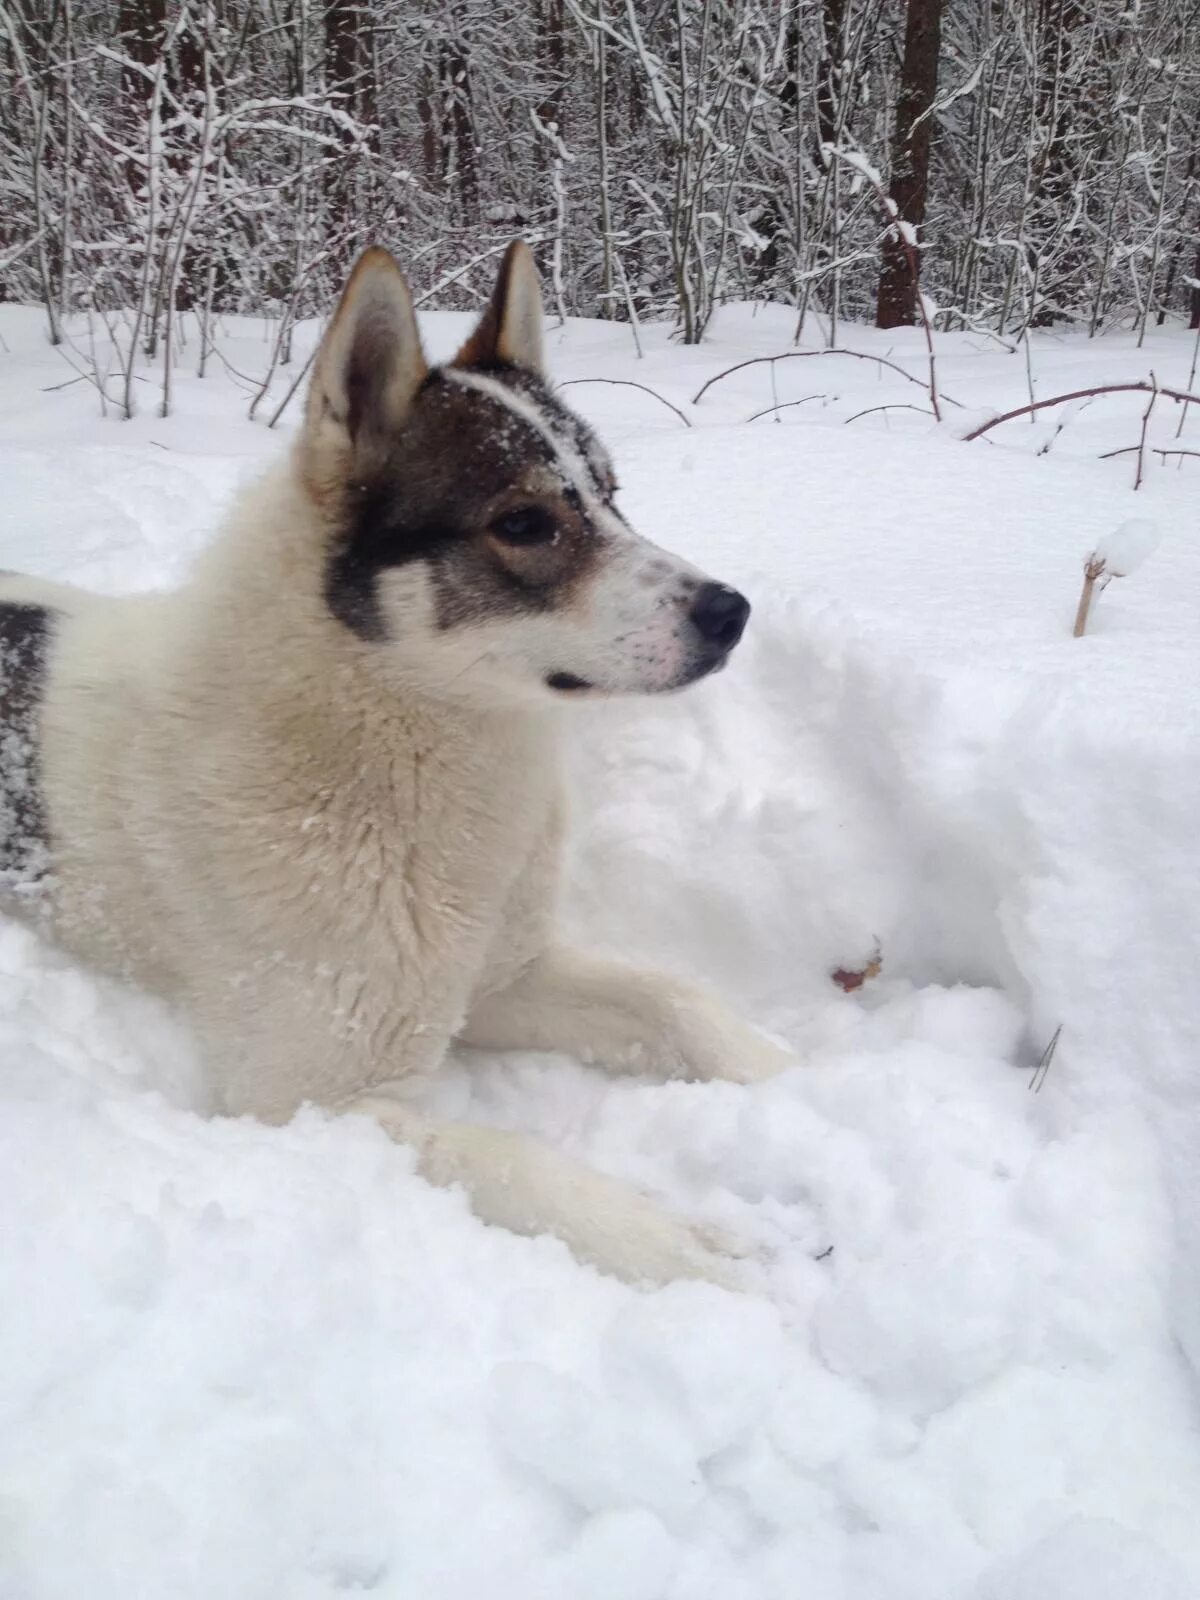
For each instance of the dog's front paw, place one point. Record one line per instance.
(753, 1058)
(723, 1049)
(521, 1184)
(656, 1247)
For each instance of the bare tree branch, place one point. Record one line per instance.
(1140, 387)
(628, 383)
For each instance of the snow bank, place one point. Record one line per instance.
(272, 1363)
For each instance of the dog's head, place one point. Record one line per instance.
(472, 538)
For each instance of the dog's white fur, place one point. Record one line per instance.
(337, 875)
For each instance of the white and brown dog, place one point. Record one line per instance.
(313, 797)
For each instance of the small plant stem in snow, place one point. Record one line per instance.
(634, 325)
(1047, 1056)
(1093, 570)
(1191, 381)
(1141, 452)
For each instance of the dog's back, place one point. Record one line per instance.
(33, 614)
(76, 677)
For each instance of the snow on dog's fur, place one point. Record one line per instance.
(313, 797)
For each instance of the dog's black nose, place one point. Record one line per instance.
(719, 614)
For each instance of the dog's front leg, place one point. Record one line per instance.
(518, 1183)
(624, 1019)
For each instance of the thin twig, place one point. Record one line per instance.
(1047, 1056)
(1141, 387)
(1191, 380)
(1141, 454)
(628, 383)
(1155, 450)
(1028, 368)
(296, 382)
(767, 410)
(899, 405)
(801, 355)
(629, 305)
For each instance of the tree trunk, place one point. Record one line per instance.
(429, 113)
(897, 303)
(341, 64)
(830, 74)
(772, 225)
(553, 51)
(458, 126)
(142, 33)
(1054, 176)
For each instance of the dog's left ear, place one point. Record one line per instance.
(511, 327)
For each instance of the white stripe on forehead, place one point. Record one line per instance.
(573, 465)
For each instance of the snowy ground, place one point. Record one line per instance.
(273, 1365)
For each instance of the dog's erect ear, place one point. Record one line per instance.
(511, 327)
(370, 363)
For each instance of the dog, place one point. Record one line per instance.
(313, 797)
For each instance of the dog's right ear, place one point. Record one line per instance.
(511, 326)
(369, 365)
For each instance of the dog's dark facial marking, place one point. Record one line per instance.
(476, 493)
(567, 682)
(377, 539)
(24, 643)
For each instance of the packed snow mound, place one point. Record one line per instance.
(1127, 547)
(273, 1364)
(1087, 1559)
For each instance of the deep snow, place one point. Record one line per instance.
(274, 1365)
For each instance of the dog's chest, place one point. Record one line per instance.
(429, 867)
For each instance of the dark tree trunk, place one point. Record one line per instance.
(428, 110)
(350, 87)
(1195, 318)
(554, 51)
(898, 288)
(142, 25)
(1181, 245)
(829, 75)
(772, 225)
(142, 33)
(1055, 173)
(458, 116)
(341, 58)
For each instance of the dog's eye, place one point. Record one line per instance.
(526, 525)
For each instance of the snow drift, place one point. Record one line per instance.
(273, 1363)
